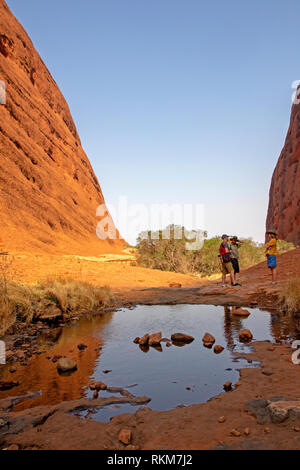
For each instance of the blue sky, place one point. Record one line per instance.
(176, 101)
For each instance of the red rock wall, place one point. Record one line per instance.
(284, 200)
(48, 190)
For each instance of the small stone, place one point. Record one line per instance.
(175, 284)
(95, 394)
(82, 347)
(271, 349)
(66, 365)
(235, 433)
(13, 370)
(136, 340)
(238, 384)
(155, 339)
(168, 345)
(228, 386)
(188, 388)
(208, 339)
(125, 436)
(245, 336)
(218, 349)
(267, 430)
(98, 386)
(240, 312)
(222, 419)
(296, 429)
(247, 431)
(107, 371)
(144, 340)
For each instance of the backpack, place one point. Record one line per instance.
(225, 257)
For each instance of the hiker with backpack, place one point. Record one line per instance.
(234, 250)
(271, 253)
(225, 257)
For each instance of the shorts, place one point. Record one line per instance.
(272, 261)
(235, 264)
(226, 268)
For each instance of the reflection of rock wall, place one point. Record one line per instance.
(41, 374)
(48, 190)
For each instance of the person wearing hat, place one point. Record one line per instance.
(271, 253)
(225, 257)
(234, 249)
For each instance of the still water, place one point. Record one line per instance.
(163, 376)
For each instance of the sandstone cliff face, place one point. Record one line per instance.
(48, 190)
(284, 202)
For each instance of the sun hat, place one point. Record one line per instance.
(225, 236)
(272, 232)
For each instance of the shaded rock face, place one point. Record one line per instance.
(49, 193)
(284, 199)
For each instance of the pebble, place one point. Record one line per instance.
(125, 436)
(235, 433)
(222, 419)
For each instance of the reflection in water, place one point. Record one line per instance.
(169, 376)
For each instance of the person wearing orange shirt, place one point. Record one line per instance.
(271, 253)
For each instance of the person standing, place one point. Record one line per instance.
(271, 253)
(225, 257)
(234, 249)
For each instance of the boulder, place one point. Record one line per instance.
(66, 365)
(218, 349)
(155, 339)
(182, 338)
(245, 336)
(125, 436)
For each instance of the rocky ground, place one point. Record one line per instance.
(263, 410)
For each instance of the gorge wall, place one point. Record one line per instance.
(48, 190)
(284, 199)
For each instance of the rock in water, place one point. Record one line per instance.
(240, 312)
(208, 340)
(49, 192)
(144, 340)
(218, 349)
(66, 365)
(181, 338)
(245, 336)
(155, 339)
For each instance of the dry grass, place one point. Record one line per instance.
(290, 296)
(21, 301)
